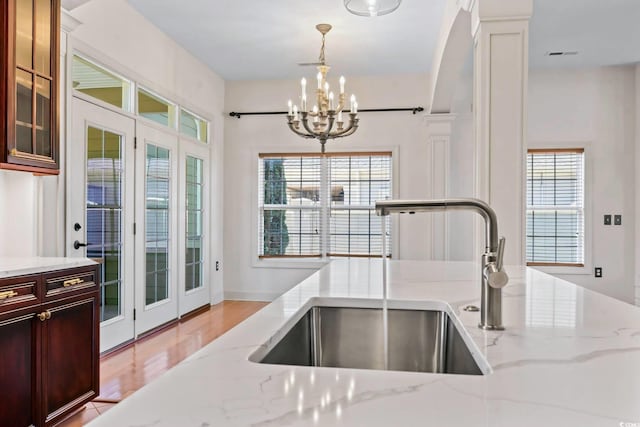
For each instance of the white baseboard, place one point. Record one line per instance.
(217, 298)
(250, 296)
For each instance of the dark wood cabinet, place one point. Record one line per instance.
(29, 92)
(49, 336)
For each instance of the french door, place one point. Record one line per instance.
(100, 214)
(137, 203)
(156, 223)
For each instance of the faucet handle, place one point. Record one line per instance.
(500, 255)
(494, 274)
(495, 277)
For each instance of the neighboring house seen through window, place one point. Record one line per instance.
(555, 207)
(292, 209)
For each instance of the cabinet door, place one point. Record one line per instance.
(70, 345)
(29, 101)
(18, 372)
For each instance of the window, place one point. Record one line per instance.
(555, 207)
(99, 83)
(292, 210)
(194, 126)
(154, 107)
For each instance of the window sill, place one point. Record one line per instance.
(302, 263)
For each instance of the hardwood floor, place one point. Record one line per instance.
(129, 369)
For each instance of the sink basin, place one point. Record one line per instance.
(353, 337)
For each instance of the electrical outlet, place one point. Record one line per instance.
(617, 220)
(217, 265)
(598, 271)
(607, 220)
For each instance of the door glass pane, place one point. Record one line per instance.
(157, 187)
(193, 251)
(43, 36)
(43, 116)
(154, 108)
(24, 33)
(104, 215)
(24, 108)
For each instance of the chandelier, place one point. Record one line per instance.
(324, 120)
(371, 7)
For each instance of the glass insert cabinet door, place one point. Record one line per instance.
(30, 58)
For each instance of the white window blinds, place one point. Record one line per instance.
(555, 207)
(357, 181)
(291, 207)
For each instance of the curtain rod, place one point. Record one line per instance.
(414, 110)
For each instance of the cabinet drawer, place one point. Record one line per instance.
(63, 282)
(18, 292)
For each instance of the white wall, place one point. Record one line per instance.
(17, 213)
(594, 109)
(246, 137)
(637, 184)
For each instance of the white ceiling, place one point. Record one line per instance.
(265, 39)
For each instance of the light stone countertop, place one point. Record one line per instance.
(568, 357)
(20, 266)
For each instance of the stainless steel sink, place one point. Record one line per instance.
(347, 337)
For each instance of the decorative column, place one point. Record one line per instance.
(439, 128)
(500, 30)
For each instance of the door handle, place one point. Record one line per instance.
(78, 245)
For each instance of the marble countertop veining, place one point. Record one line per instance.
(568, 357)
(20, 266)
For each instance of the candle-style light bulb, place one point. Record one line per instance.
(355, 107)
(353, 100)
(319, 77)
(290, 104)
(295, 112)
(315, 114)
(342, 80)
(330, 100)
(339, 116)
(303, 84)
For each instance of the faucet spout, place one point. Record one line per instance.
(493, 276)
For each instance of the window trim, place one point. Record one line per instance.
(310, 150)
(564, 146)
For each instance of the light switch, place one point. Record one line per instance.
(617, 220)
(607, 220)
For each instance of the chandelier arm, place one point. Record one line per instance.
(348, 128)
(297, 132)
(305, 123)
(327, 133)
(349, 131)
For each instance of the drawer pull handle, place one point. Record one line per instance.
(72, 282)
(45, 315)
(7, 294)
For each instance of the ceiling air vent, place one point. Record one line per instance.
(561, 53)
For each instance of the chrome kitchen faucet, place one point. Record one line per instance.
(493, 276)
